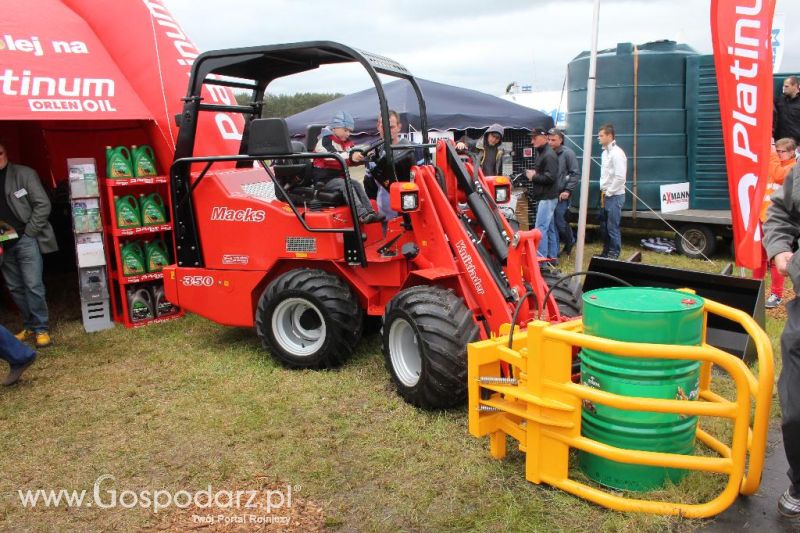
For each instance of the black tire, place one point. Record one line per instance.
(701, 241)
(425, 335)
(568, 298)
(309, 319)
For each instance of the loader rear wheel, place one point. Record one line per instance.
(425, 335)
(568, 299)
(309, 319)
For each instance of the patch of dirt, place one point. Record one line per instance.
(261, 505)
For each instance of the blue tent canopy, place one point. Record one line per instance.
(448, 107)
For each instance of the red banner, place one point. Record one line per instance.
(53, 68)
(741, 34)
(156, 56)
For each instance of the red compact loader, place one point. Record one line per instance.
(260, 245)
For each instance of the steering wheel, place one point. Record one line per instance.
(369, 151)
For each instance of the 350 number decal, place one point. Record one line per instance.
(197, 281)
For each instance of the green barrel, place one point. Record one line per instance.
(649, 315)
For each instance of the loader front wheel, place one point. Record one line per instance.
(309, 319)
(425, 335)
(568, 297)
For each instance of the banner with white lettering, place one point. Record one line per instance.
(53, 67)
(156, 56)
(741, 35)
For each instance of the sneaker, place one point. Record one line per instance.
(16, 372)
(24, 335)
(789, 505)
(773, 301)
(43, 339)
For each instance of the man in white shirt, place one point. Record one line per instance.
(612, 190)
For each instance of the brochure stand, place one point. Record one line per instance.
(87, 224)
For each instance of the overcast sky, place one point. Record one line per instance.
(482, 45)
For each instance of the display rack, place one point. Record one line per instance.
(86, 207)
(116, 237)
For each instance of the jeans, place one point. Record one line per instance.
(789, 392)
(362, 204)
(565, 235)
(610, 219)
(14, 351)
(544, 216)
(22, 270)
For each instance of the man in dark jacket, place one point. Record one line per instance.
(543, 191)
(781, 231)
(568, 178)
(25, 206)
(786, 114)
(490, 152)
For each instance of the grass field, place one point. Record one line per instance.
(190, 404)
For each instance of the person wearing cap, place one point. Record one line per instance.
(543, 190)
(488, 149)
(613, 172)
(328, 172)
(568, 178)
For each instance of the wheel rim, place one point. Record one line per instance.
(695, 241)
(298, 326)
(404, 352)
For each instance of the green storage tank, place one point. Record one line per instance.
(650, 315)
(659, 81)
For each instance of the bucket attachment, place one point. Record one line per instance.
(747, 295)
(539, 405)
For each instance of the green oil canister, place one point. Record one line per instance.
(140, 304)
(127, 209)
(156, 255)
(118, 162)
(133, 259)
(646, 315)
(152, 209)
(144, 161)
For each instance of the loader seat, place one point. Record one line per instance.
(269, 138)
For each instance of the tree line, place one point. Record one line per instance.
(284, 105)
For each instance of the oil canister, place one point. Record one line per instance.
(152, 209)
(127, 209)
(140, 304)
(118, 162)
(144, 161)
(133, 259)
(161, 305)
(156, 255)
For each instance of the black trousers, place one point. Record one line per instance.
(789, 390)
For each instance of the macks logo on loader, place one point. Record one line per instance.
(238, 215)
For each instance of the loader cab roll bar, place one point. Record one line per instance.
(253, 69)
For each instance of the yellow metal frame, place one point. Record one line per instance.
(541, 408)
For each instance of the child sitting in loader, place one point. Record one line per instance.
(329, 173)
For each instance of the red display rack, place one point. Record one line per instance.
(116, 237)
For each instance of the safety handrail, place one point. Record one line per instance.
(545, 398)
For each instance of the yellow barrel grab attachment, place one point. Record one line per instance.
(540, 407)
